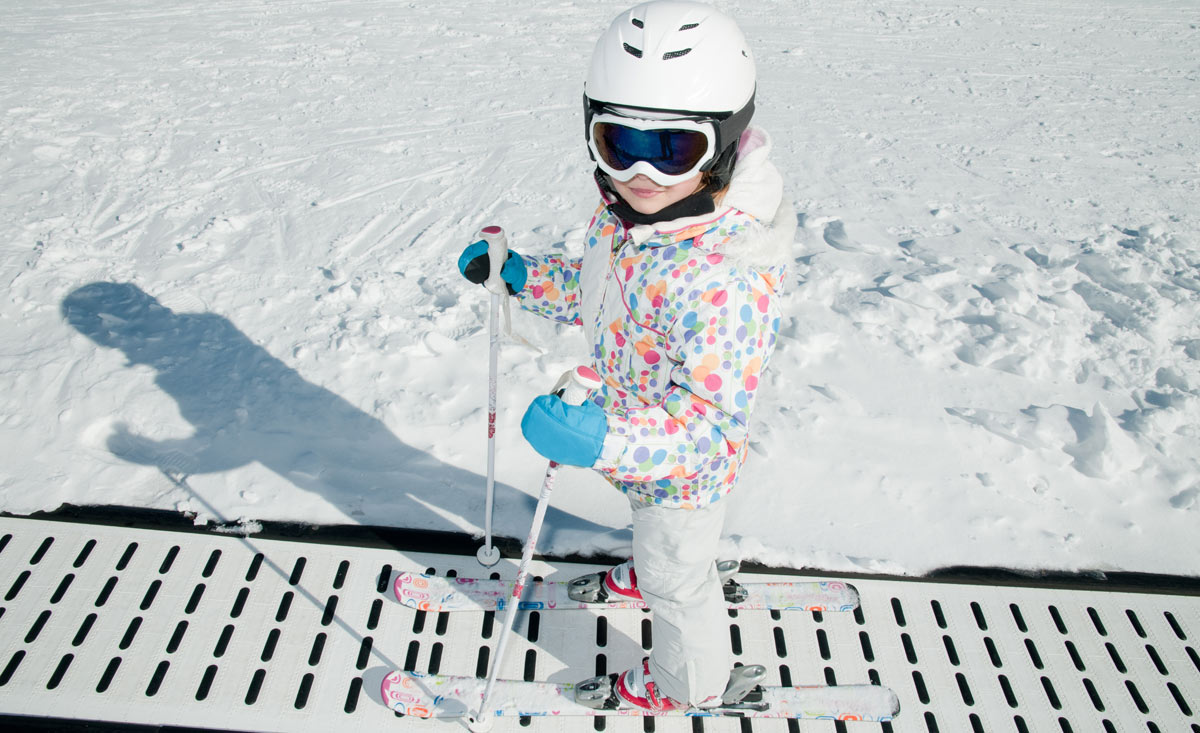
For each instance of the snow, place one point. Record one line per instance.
(229, 284)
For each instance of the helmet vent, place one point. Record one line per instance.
(676, 54)
(635, 52)
(637, 22)
(689, 26)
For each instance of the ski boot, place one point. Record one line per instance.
(635, 688)
(620, 583)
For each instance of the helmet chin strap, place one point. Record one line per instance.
(698, 204)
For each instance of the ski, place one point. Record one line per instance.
(435, 594)
(446, 696)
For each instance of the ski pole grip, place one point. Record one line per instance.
(576, 383)
(497, 254)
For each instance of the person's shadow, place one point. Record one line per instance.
(247, 406)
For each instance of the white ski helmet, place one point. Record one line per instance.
(672, 58)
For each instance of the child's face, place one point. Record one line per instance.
(648, 197)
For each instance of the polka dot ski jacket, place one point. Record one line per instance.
(682, 317)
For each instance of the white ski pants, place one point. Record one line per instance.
(675, 557)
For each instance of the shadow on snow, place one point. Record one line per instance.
(247, 406)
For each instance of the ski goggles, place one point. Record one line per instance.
(666, 151)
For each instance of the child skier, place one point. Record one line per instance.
(678, 291)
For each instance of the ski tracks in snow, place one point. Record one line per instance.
(1118, 311)
(1092, 344)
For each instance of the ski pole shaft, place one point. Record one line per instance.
(497, 253)
(575, 385)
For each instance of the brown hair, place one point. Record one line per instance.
(706, 183)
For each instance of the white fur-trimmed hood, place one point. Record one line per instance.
(757, 189)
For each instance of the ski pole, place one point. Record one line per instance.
(575, 385)
(488, 555)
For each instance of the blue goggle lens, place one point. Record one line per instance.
(674, 152)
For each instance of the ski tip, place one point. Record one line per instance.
(398, 693)
(419, 696)
(412, 590)
(399, 583)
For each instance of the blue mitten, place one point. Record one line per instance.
(570, 434)
(476, 266)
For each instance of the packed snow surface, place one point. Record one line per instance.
(229, 285)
